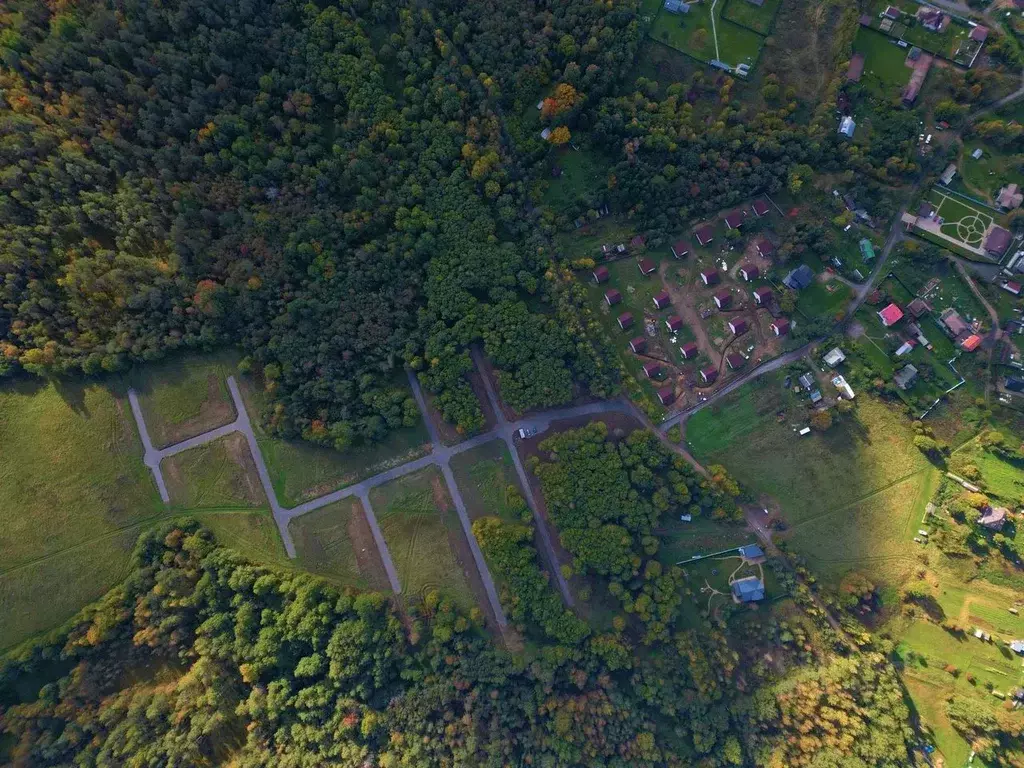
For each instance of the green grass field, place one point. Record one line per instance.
(583, 171)
(253, 534)
(961, 220)
(185, 395)
(326, 541)
(218, 474)
(301, 471)
(424, 537)
(485, 476)
(1002, 479)
(817, 300)
(73, 493)
(883, 60)
(692, 34)
(992, 171)
(758, 18)
(853, 459)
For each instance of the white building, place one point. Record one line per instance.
(847, 126)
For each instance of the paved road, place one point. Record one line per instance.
(151, 456)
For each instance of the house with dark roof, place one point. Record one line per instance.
(652, 369)
(780, 326)
(905, 377)
(612, 297)
(979, 34)
(918, 307)
(921, 66)
(709, 375)
(993, 518)
(1014, 385)
(689, 350)
(998, 241)
(748, 590)
(765, 248)
(891, 315)
(677, 6)
(734, 360)
(601, 275)
(674, 323)
(680, 248)
(704, 234)
(723, 299)
(638, 345)
(752, 553)
(646, 266)
(625, 320)
(667, 395)
(662, 299)
(762, 295)
(709, 276)
(749, 272)
(734, 219)
(760, 207)
(892, 12)
(738, 327)
(637, 241)
(799, 278)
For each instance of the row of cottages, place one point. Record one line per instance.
(734, 219)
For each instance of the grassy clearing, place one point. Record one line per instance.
(253, 534)
(1001, 478)
(301, 471)
(485, 476)
(867, 452)
(992, 171)
(218, 474)
(746, 14)
(325, 544)
(583, 171)
(185, 396)
(824, 299)
(883, 59)
(692, 34)
(422, 533)
(681, 541)
(929, 700)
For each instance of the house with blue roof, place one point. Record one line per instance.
(799, 278)
(747, 590)
(752, 553)
(677, 6)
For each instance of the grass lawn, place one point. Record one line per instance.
(583, 171)
(681, 541)
(301, 471)
(883, 59)
(692, 33)
(423, 535)
(253, 534)
(824, 299)
(744, 13)
(856, 457)
(73, 490)
(335, 542)
(990, 173)
(485, 476)
(1001, 478)
(218, 474)
(185, 395)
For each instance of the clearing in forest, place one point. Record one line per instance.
(218, 474)
(335, 542)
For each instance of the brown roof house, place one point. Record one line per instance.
(780, 327)
(734, 219)
(734, 360)
(738, 327)
(998, 241)
(601, 275)
(662, 299)
(704, 234)
(1010, 196)
(674, 323)
(666, 395)
(680, 248)
(765, 248)
(856, 68)
(979, 34)
(749, 272)
(762, 295)
(760, 207)
(689, 350)
(646, 266)
(723, 299)
(709, 375)
(918, 307)
(612, 297)
(921, 66)
(955, 324)
(639, 344)
(625, 320)
(652, 369)
(709, 276)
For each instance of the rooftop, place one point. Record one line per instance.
(748, 590)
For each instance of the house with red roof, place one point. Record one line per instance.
(601, 275)
(765, 248)
(638, 345)
(709, 276)
(674, 323)
(680, 248)
(760, 207)
(780, 326)
(704, 234)
(625, 320)
(637, 241)
(734, 219)
(723, 299)
(891, 315)
(749, 272)
(689, 350)
(998, 241)
(667, 395)
(734, 360)
(738, 327)
(762, 295)
(646, 266)
(662, 299)
(709, 374)
(612, 297)
(971, 343)
(652, 369)
(1012, 287)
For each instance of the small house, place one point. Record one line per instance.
(847, 127)
(667, 395)
(637, 242)
(723, 299)
(625, 320)
(689, 350)
(677, 6)
(545, 134)
(1017, 646)
(948, 174)
(977, 154)
(734, 219)
(1014, 385)
(674, 323)
(955, 324)
(752, 553)
(620, 248)
(612, 297)
(652, 369)
(979, 34)
(638, 345)
(799, 278)
(867, 250)
(840, 383)
(815, 397)
(891, 315)
(709, 375)
(662, 299)
(601, 275)
(749, 272)
(765, 248)
(748, 590)
(734, 360)
(971, 343)
(892, 12)
(709, 276)
(834, 357)
(998, 241)
(993, 518)
(680, 248)
(1009, 197)
(780, 327)
(704, 234)
(760, 207)
(926, 210)
(905, 377)
(646, 266)
(905, 348)
(855, 69)
(806, 380)
(762, 295)
(918, 307)
(1011, 287)
(738, 327)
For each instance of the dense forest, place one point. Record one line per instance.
(201, 658)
